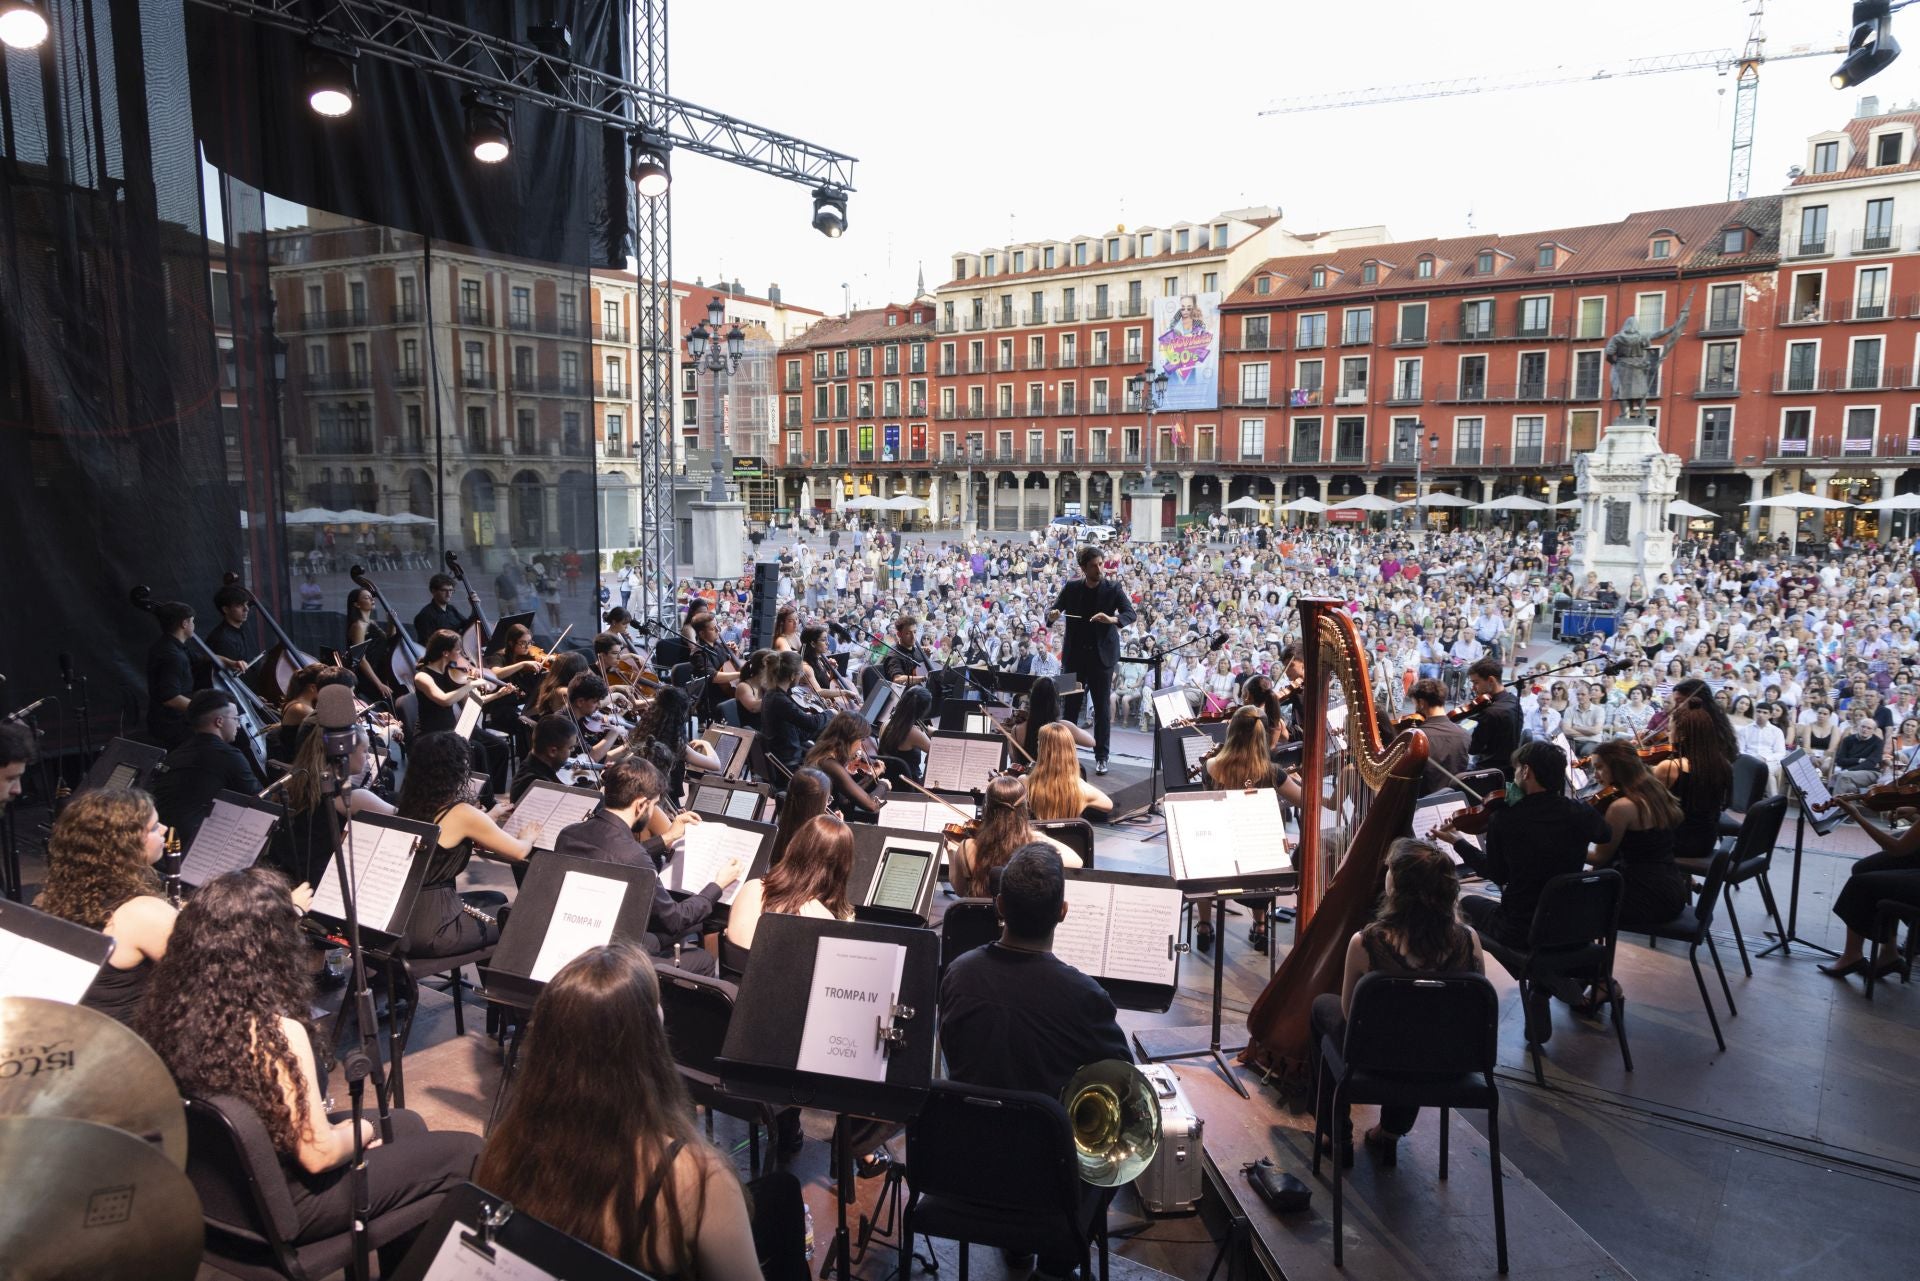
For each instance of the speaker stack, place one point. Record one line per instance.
(764, 603)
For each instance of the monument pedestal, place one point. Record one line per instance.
(719, 539)
(1144, 523)
(1625, 486)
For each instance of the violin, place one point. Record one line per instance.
(1472, 706)
(961, 831)
(1474, 820)
(1898, 793)
(1647, 755)
(1604, 797)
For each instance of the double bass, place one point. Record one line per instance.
(1359, 783)
(256, 719)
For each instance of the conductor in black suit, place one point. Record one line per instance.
(1096, 609)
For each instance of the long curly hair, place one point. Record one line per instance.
(232, 971)
(438, 769)
(96, 857)
(597, 1105)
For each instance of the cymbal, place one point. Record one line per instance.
(80, 1201)
(67, 1061)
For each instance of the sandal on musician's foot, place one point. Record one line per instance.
(1342, 1146)
(1837, 970)
(1384, 1145)
(1203, 937)
(873, 1164)
(1257, 938)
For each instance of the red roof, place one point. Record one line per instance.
(1859, 165)
(867, 326)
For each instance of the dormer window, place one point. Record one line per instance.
(1889, 149)
(1019, 260)
(1319, 278)
(1543, 257)
(1046, 257)
(959, 268)
(1264, 285)
(1423, 269)
(1369, 273)
(1080, 254)
(1733, 240)
(1146, 244)
(1181, 240)
(1662, 247)
(1826, 157)
(1483, 264)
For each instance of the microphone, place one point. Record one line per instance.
(1617, 666)
(1219, 641)
(66, 669)
(20, 714)
(277, 784)
(338, 718)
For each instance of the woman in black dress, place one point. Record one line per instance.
(438, 790)
(1642, 822)
(1699, 774)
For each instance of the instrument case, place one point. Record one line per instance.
(1172, 1183)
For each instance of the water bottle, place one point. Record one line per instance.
(808, 1211)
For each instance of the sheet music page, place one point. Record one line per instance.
(915, 815)
(583, 918)
(1141, 923)
(469, 717)
(743, 804)
(1081, 939)
(1428, 816)
(552, 808)
(122, 776)
(707, 847)
(855, 986)
(902, 868)
(229, 841)
(710, 800)
(1799, 767)
(455, 1261)
(962, 764)
(1172, 705)
(29, 967)
(382, 857)
(1233, 834)
(1192, 748)
(724, 747)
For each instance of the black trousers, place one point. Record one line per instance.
(1876, 879)
(418, 1163)
(1099, 686)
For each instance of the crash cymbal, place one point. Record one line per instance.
(81, 1201)
(66, 1061)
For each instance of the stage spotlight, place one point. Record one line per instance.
(554, 40)
(829, 211)
(1871, 49)
(649, 168)
(489, 128)
(23, 23)
(331, 88)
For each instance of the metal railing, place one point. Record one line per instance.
(1718, 385)
(1876, 240)
(1518, 392)
(1805, 246)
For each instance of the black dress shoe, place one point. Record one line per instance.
(1099, 767)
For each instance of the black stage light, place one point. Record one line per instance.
(331, 88)
(489, 127)
(1871, 49)
(829, 211)
(554, 40)
(23, 24)
(649, 168)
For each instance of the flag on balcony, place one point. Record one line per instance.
(1791, 446)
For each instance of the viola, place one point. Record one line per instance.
(1476, 819)
(961, 831)
(1469, 708)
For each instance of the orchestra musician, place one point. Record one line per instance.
(438, 614)
(551, 697)
(206, 764)
(1891, 875)
(1243, 761)
(16, 753)
(1496, 729)
(903, 737)
(750, 691)
(712, 660)
(436, 790)
(303, 842)
(100, 874)
(1699, 773)
(664, 729)
(809, 793)
(826, 679)
(227, 638)
(905, 658)
(361, 628)
(1448, 745)
(1095, 609)
(170, 682)
(1004, 826)
(1642, 825)
(1258, 691)
(840, 746)
(620, 627)
(554, 738)
(1055, 789)
(811, 880)
(786, 727)
(1043, 709)
(443, 683)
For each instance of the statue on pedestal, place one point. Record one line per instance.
(1636, 358)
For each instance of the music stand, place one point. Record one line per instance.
(122, 763)
(1177, 759)
(963, 762)
(732, 745)
(476, 1236)
(231, 838)
(1112, 932)
(879, 704)
(870, 845)
(684, 882)
(377, 844)
(751, 801)
(1220, 845)
(45, 957)
(779, 998)
(554, 807)
(1808, 789)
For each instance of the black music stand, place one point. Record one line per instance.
(230, 839)
(674, 868)
(477, 1236)
(1127, 993)
(1169, 750)
(1211, 873)
(714, 796)
(968, 746)
(1797, 762)
(763, 1049)
(48, 958)
(870, 845)
(1152, 663)
(122, 763)
(517, 975)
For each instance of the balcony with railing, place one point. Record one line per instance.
(1510, 331)
(1855, 310)
(1404, 391)
(974, 324)
(466, 314)
(1102, 311)
(946, 325)
(405, 313)
(1807, 245)
(1808, 311)
(1067, 313)
(1409, 337)
(1723, 322)
(1361, 337)
(343, 318)
(1523, 391)
(342, 380)
(1309, 342)
(1003, 317)
(1876, 240)
(1258, 343)
(1133, 307)
(1838, 447)
(1718, 384)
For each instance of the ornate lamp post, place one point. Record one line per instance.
(704, 344)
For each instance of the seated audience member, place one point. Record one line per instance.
(202, 767)
(633, 789)
(1417, 930)
(599, 1140)
(1013, 1016)
(1005, 826)
(811, 880)
(809, 793)
(1055, 789)
(228, 1012)
(100, 874)
(1856, 760)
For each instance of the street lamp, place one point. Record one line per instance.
(704, 344)
(1419, 456)
(1146, 387)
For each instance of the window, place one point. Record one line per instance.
(1863, 370)
(1406, 378)
(890, 361)
(1036, 398)
(1136, 304)
(523, 367)
(470, 301)
(315, 300)
(1353, 378)
(1802, 361)
(1476, 319)
(1319, 280)
(1870, 294)
(1586, 375)
(993, 264)
(1356, 326)
(1532, 375)
(357, 301)
(409, 299)
(475, 367)
(615, 380)
(1651, 309)
(1046, 256)
(1536, 315)
(1306, 440)
(1466, 439)
(1543, 257)
(1733, 241)
(947, 402)
(1857, 437)
(1720, 368)
(819, 364)
(1349, 440)
(1878, 234)
(819, 402)
(1254, 384)
(570, 372)
(610, 318)
(1005, 362)
(1593, 318)
(1661, 247)
(1826, 157)
(1253, 332)
(1209, 282)
(1264, 285)
(477, 435)
(1796, 431)
(1019, 260)
(1080, 254)
(1369, 273)
(1529, 438)
(1413, 322)
(1423, 269)
(840, 363)
(1180, 241)
(1070, 398)
(864, 400)
(1099, 346)
(1312, 330)
(416, 431)
(526, 436)
(1473, 377)
(1813, 229)
(1886, 149)
(1253, 438)
(1146, 244)
(1113, 248)
(1723, 307)
(866, 362)
(1220, 236)
(569, 313)
(1716, 434)
(1483, 263)
(1308, 378)
(1406, 440)
(410, 358)
(959, 269)
(1099, 390)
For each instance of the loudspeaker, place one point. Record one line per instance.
(764, 604)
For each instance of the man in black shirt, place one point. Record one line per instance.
(1496, 728)
(170, 675)
(228, 639)
(438, 613)
(1013, 1016)
(1096, 609)
(553, 740)
(1544, 834)
(16, 753)
(1446, 741)
(202, 767)
(905, 658)
(633, 788)
(711, 660)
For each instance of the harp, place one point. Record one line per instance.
(1358, 792)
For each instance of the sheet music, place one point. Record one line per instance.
(1192, 748)
(381, 858)
(1226, 835)
(1800, 767)
(1577, 778)
(708, 847)
(553, 808)
(468, 719)
(743, 804)
(1115, 931)
(455, 1261)
(962, 764)
(29, 967)
(855, 987)
(1172, 705)
(919, 815)
(903, 869)
(122, 776)
(229, 841)
(583, 917)
(1433, 812)
(710, 800)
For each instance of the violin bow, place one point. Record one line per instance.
(941, 799)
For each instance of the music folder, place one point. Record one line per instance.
(476, 1236)
(1433, 810)
(1223, 843)
(231, 839)
(566, 906)
(750, 801)
(387, 858)
(45, 957)
(837, 1015)
(1180, 751)
(963, 762)
(879, 703)
(1121, 930)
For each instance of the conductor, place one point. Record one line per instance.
(1095, 609)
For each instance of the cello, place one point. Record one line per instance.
(256, 720)
(474, 639)
(1358, 789)
(275, 669)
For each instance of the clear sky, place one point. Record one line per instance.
(980, 123)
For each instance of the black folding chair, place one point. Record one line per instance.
(1573, 936)
(1418, 1041)
(968, 923)
(1074, 833)
(697, 1011)
(1749, 858)
(1693, 927)
(1749, 786)
(1887, 918)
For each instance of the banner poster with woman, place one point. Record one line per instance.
(1186, 348)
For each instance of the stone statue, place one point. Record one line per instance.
(1636, 358)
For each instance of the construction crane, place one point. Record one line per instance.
(1743, 65)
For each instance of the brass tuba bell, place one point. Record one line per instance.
(1115, 1117)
